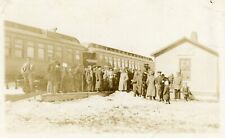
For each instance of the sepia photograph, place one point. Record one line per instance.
(112, 68)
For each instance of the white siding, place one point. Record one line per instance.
(204, 65)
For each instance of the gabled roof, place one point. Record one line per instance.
(180, 41)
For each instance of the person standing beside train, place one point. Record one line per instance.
(89, 79)
(50, 75)
(123, 80)
(151, 86)
(135, 83)
(110, 79)
(158, 85)
(98, 83)
(144, 85)
(27, 72)
(77, 78)
(57, 77)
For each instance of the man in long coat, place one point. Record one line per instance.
(51, 75)
(27, 72)
(135, 82)
(89, 79)
(151, 86)
(123, 81)
(98, 75)
(110, 79)
(144, 85)
(158, 84)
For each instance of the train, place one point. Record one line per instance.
(40, 45)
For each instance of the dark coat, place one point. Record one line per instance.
(166, 92)
(98, 78)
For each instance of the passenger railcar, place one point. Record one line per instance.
(22, 41)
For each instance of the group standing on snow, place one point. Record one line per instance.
(63, 78)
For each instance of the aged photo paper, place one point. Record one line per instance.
(112, 68)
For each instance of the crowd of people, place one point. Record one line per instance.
(63, 78)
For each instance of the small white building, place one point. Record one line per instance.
(197, 63)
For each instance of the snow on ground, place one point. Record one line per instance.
(13, 91)
(117, 113)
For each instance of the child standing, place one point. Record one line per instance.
(186, 91)
(166, 91)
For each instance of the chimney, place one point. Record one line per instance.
(194, 36)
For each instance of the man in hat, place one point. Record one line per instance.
(51, 75)
(98, 79)
(89, 79)
(158, 85)
(27, 72)
(151, 93)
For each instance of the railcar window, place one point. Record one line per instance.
(135, 64)
(118, 61)
(41, 51)
(122, 63)
(115, 62)
(30, 49)
(18, 48)
(68, 56)
(106, 59)
(58, 52)
(110, 61)
(7, 46)
(100, 56)
(77, 57)
(50, 51)
(132, 64)
(30, 52)
(138, 65)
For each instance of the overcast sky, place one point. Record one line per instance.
(139, 26)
